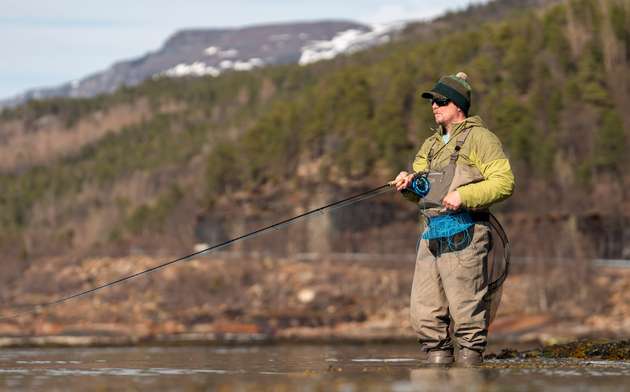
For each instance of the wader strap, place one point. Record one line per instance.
(485, 216)
(458, 145)
(430, 155)
(506, 252)
(480, 215)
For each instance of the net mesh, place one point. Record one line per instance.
(447, 226)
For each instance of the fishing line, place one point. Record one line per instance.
(276, 226)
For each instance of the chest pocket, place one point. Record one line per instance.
(464, 175)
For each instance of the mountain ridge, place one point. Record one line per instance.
(188, 52)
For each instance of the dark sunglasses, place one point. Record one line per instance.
(440, 101)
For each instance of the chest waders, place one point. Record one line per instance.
(432, 186)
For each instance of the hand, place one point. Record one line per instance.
(402, 181)
(452, 201)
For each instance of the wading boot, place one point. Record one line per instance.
(440, 357)
(467, 357)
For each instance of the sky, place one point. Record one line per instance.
(47, 43)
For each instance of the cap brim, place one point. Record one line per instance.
(431, 95)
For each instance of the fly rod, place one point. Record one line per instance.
(327, 208)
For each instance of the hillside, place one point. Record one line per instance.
(156, 168)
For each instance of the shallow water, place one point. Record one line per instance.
(344, 368)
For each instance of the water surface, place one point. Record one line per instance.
(344, 368)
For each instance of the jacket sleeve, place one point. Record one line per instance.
(420, 163)
(498, 184)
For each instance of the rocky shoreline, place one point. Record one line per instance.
(343, 334)
(600, 349)
(262, 301)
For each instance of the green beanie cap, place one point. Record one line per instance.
(454, 87)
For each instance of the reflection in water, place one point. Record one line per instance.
(452, 379)
(346, 368)
(554, 375)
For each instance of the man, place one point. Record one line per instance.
(464, 171)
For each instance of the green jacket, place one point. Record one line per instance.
(482, 150)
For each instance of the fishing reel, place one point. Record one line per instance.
(420, 185)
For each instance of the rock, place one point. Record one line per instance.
(306, 296)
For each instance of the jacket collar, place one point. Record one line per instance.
(458, 128)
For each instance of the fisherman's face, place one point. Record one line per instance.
(444, 111)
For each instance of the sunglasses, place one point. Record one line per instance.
(440, 101)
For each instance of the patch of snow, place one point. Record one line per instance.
(229, 53)
(248, 65)
(347, 42)
(211, 51)
(199, 68)
(195, 69)
(303, 36)
(226, 64)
